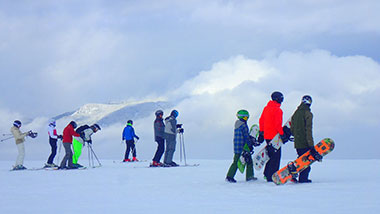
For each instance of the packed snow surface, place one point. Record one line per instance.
(339, 186)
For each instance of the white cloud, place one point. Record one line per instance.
(344, 90)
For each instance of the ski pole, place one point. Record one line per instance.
(184, 151)
(134, 148)
(6, 139)
(93, 153)
(59, 148)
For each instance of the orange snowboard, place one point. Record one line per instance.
(283, 175)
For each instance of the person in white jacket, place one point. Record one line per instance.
(53, 138)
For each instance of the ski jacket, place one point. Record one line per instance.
(52, 131)
(129, 133)
(270, 121)
(171, 125)
(86, 136)
(241, 136)
(302, 127)
(18, 135)
(159, 128)
(68, 134)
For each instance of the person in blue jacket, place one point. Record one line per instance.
(129, 138)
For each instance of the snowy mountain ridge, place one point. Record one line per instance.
(108, 114)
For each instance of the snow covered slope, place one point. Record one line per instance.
(339, 186)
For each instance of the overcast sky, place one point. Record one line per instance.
(213, 57)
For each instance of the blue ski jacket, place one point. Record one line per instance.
(129, 133)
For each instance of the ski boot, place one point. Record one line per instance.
(134, 159)
(230, 180)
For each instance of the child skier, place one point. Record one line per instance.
(85, 133)
(53, 137)
(241, 137)
(129, 137)
(159, 130)
(19, 139)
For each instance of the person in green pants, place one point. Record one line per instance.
(241, 138)
(85, 133)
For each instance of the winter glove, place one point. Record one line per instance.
(315, 154)
(89, 142)
(261, 137)
(284, 138)
(287, 133)
(60, 137)
(253, 141)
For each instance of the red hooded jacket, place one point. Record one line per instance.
(68, 134)
(271, 120)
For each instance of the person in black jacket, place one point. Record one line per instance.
(159, 137)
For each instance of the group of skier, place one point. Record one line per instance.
(270, 124)
(71, 138)
(74, 139)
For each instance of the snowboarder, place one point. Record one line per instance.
(53, 137)
(270, 123)
(241, 137)
(85, 133)
(302, 129)
(129, 138)
(171, 138)
(68, 134)
(19, 139)
(159, 130)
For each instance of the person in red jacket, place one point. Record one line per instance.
(270, 124)
(68, 134)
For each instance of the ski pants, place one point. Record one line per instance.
(234, 166)
(304, 175)
(77, 147)
(68, 158)
(160, 149)
(53, 145)
(130, 146)
(170, 148)
(21, 154)
(273, 164)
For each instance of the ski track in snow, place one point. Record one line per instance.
(339, 186)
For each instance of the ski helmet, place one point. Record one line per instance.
(174, 113)
(52, 122)
(74, 124)
(17, 123)
(307, 99)
(129, 122)
(159, 112)
(95, 127)
(242, 114)
(277, 96)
